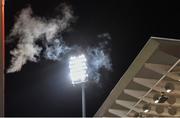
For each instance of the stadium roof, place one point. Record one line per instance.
(155, 67)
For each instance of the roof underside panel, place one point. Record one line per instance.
(155, 70)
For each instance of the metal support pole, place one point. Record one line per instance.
(83, 101)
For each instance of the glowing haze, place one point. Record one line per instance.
(30, 29)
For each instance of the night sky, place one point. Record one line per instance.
(43, 88)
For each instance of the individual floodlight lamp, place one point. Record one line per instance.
(78, 69)
(169, 87)
(146, 108)
(78, 74)
(156, 98)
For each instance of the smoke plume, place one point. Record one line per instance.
(99, 57)
(56, 50)
(29, 29)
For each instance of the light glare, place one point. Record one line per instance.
(168, 90)
(146, 110)
(156, 101)
(78, 68)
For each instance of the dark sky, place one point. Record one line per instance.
(43, 89)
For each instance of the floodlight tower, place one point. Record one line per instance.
(78, 75)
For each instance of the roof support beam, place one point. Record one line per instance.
(162, 69)
(164, 75)
(150, 82)
(138, 94)
(117, 112)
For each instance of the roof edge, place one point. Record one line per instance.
(165, 39)
(138, 62)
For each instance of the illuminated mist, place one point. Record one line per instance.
(30, 29)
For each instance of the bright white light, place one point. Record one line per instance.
(168, 90)
(78, 69)
(146, 110)
(156, 101)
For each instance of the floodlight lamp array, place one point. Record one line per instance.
(78, 69)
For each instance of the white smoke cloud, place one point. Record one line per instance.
(56, 50)
(99, 58)
(29, 29)
(104, 35)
